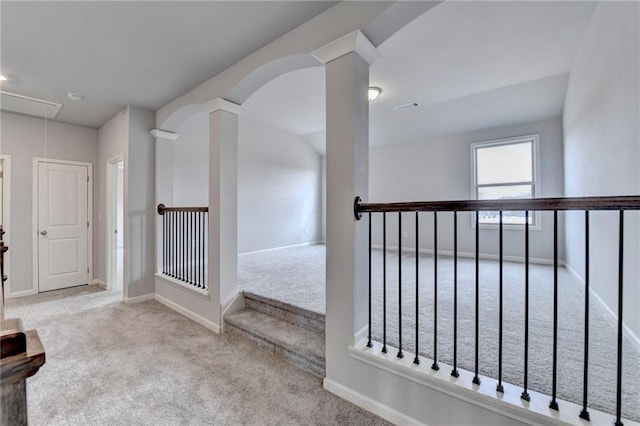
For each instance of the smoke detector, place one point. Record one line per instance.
(407, 106)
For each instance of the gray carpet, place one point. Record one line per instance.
(143, 364)
(297, 276)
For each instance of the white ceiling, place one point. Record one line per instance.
(470, 65)
(131, 53)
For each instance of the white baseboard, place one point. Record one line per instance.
(99, 282)
(468, 255)
(187, 313)
(310, 243)
(21, 294)
(609, 315)
(369, 404)
(361, 335)
(233, 303)
(138, 299)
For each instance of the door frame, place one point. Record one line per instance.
(6, 217)
(34, 209)
(110, 220)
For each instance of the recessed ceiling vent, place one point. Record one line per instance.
(407, 106)
(30, 106)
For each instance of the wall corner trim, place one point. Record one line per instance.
(163, 134)
(222, 104)
(355, 41)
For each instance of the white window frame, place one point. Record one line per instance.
(536, 224)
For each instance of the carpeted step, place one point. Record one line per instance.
(300, 346)
(311, 320)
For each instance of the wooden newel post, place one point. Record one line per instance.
(21, 356)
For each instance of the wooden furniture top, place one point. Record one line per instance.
(16, 368)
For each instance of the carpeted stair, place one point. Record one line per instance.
(294, 333)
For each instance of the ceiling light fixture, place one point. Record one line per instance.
(3, 78)
(74, 96)
(374, 92)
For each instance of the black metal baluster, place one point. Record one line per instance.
(196, 249)
(435, 365)
(554, 403)
(164, 243)
(400, 354)
(184, 245)
(620, 322)
(384, 282)
(172, 246)
(584, 414)
(416, 360)
(191, 248)
(499, 387)
(454, 372)
(476, 378)
(525, 395)
(369, 343)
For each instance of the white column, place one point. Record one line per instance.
(347, 79)
(223, 204)
(164, 182)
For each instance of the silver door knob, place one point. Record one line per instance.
(43, 232)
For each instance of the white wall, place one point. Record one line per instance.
(140, 204)
(602, 149)
(440, 169)
(190, 163)
(128, 132)
(113, 140)
(23, 138)
(279, 188)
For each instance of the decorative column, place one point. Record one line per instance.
(347, 80)
(164, 181)
(223, 204)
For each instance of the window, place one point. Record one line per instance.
(504, 169)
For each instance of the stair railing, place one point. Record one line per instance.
(184, 244)
(584, 204)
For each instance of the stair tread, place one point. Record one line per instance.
(282, 333)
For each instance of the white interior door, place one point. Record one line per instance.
(62, 225)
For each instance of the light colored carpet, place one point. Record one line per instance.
(297, 276)
(114, 364)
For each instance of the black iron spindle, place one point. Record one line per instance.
(525, 394)
(499, 387)
(476, 378)
(400, 354)
(173, 244)
(435, 365)
(416, 360)
(620, 322)
(554, 403)
(454, 371)
(369, 343)
(584, 414)
(164, 244)
(384, 282)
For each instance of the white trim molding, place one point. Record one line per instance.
(509, 403)
(610, 316)
(219, 104)
(355, 41)
(369, 404)
(182, 286)
(164, 134)
(139, 299)
(187, 313)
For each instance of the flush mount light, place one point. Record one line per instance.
(374, 92)
(3, 78)
(74, 96)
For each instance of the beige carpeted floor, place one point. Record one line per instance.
(114, 364)
(297, 276)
